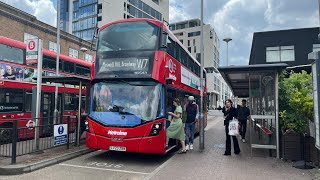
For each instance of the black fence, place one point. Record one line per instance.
(19, 137)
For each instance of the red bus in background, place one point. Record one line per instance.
(140, 67)
(16, 82)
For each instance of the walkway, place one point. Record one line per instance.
(211, 164)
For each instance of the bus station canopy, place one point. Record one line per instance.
(238, 77)
(71, 80)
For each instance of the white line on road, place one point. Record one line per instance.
(103, 169)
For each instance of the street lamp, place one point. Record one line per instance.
(83, 50)
(227, 40)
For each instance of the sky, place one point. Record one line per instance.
(237, 19)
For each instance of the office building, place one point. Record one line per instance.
(79, 17)
(189, 34)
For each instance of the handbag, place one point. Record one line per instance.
(234, 127)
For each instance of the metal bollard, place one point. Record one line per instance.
(14, 142)
(68, 138)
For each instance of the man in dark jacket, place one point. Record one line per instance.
(192, 112)
(243, 115)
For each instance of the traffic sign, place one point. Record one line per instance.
(31, 124)
(32, 51)
(60, 134)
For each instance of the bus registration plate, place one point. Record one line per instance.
(117, 148)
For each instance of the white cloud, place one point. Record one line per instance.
(290, 14)
(177, 11)
(42, 9)
(239, 19)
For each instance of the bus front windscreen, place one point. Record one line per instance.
(125, 103)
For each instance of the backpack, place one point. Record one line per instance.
(184, 113)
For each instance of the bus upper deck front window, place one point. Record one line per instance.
(139, 35)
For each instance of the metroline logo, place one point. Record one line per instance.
(110, 132)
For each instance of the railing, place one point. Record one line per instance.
(16, 140)
(262, 134)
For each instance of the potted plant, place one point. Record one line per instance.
(295, 111)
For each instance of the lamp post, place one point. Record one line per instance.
(56, 112)
(227, 40)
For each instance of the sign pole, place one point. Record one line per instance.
(38, 102)
(202, 83)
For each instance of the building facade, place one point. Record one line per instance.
(18, 25)
(189, 34)
(284, 46)
(79, 17)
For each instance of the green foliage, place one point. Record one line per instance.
(295, 100)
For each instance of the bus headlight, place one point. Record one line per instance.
(87, 126)
(156, 128)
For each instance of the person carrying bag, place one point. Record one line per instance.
(230, 113)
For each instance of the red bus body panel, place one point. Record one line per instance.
(24, 117)
(136, 140)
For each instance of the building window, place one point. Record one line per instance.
(189, 49)
(181, 40)
(88, 57)
(194, 34)
(316, 47)
(280, 54)
(180, 26)
(73, 53)
(172, 27)
(195, 49)
(156, 1)
(53, 46)
(188, 42)
(198, 57)
(194, 42)
(28, 36)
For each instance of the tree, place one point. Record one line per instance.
(295, 100)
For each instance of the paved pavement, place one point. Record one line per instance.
(209, 164)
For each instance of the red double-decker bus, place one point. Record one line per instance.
(16, 82)
(140, 67)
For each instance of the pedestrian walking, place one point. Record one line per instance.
(192, 113)
(230, 113)
(243, 115)
(176, 129)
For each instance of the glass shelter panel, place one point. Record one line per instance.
(263, 112)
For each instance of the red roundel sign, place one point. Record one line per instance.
(31, 45)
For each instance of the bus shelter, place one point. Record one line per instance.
(259, 85)
(79, 82)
